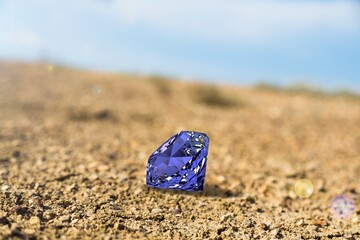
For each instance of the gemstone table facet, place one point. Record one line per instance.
(179, 163)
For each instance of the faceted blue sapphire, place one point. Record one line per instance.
(179, 163)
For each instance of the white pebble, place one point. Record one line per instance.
(5, 187)
(157, 210)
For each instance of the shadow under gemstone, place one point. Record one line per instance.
(210, 190)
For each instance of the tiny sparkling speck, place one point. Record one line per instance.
(96, 90)
(50, 68)
(304, 188)
(342, 206)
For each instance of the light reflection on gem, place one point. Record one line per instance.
(304, 188)
(342, 206)
(96, 90)
(50, 68)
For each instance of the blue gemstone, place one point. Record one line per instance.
(179, 163)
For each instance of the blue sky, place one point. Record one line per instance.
(233, 41)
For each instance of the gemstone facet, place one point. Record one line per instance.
(179, 163)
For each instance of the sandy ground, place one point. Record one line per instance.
(75, 144)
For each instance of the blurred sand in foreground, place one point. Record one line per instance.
(75, 144)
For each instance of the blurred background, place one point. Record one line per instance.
(283, 43)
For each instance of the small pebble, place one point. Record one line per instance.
(75, 220)
(157, 210)
(5, 187)
(34, 221)
(348, 236)
(64, 218)
(300, 222)
(137, 191)
(119, 226)
(318, 222)
(225, 217)
(221, 179)
(16, 154)
(28, 231)
(292, 195)
(31, 192)
(176, 211)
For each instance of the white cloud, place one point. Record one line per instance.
(21, 38)
(251, 21)
(241, 20)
